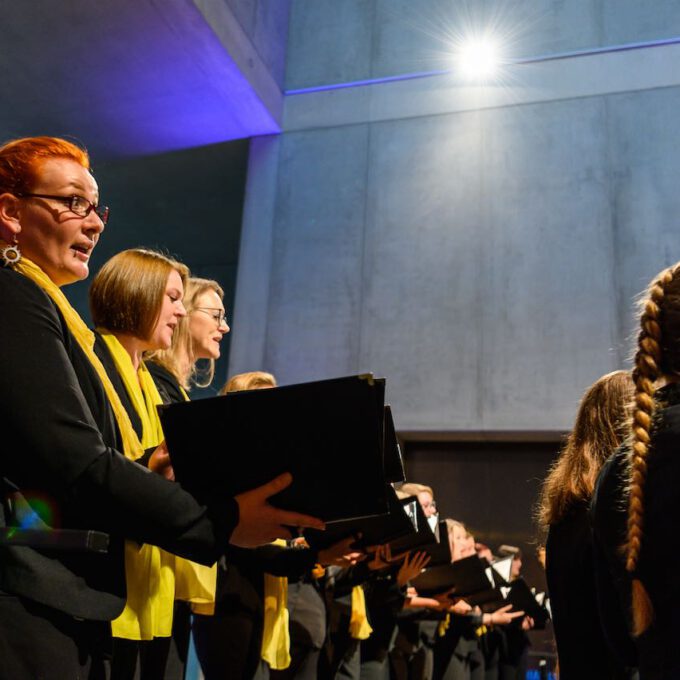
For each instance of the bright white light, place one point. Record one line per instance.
(478, 59)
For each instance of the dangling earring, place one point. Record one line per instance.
(10, 255)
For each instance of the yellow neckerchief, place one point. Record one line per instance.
(154, 577)
(444, 625)
(132, 447)
(359, 628)
(276, 633)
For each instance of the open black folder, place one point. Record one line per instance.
(368, 531)
(328, 434)
(394, 463)
(423, 535)
(520, 596)
(466, 577)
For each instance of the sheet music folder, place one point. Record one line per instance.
(327, 434)
(374, 530)
(466, 577)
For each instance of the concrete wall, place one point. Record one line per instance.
(478, 246)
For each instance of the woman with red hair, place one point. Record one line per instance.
(70, 451)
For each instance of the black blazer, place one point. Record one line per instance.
(61, 445)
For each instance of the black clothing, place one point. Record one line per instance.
(658, 649)
(68, 648)
(63, 445)
(581, 645)
(307, 622)
(229, 643)
(167, 384)
(608, 516)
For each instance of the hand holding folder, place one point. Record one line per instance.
(328, 434)
(260, 522)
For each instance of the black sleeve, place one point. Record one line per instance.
(55, 447)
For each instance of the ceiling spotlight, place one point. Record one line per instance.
(478, 59)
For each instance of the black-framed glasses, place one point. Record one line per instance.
(218, 315)
(76, 204)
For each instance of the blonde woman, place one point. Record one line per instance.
(196, 341)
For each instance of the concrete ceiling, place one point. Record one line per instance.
(131, 77)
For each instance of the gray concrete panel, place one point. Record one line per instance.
(633, 21)
(549, 303)
(645, 166)
(422, 285)
(250, 314)
(314, 303)
(488, 272)
(424, 36)
(329, 42)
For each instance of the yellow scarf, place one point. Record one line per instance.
(444, 625)
(359, 628)
(276, 633)
(154, 577)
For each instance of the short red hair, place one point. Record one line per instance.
(20, 160)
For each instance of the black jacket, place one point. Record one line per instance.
(61, 452)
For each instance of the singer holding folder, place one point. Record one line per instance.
(67, 434)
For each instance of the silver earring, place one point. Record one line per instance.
(10, 255)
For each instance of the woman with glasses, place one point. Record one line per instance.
(196, 339)
(175, 370)
(69, 450)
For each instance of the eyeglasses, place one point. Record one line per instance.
(76, 204)
(219, 316)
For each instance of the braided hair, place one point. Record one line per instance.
(657, 356)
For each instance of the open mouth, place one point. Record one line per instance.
(83, 250)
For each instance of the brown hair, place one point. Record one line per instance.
(249, 381)
(182, 342)
(598, 431)
(21, 159)
(127, 293)
(657, 355)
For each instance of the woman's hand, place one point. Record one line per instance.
(460, 607)
(414, 563)
(261, 523)
(340, 554)
(501, 617)
(528, 623)
(159, 462)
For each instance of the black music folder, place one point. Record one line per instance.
(520, 596)
(369, 531)
(328, 434)
(394, 463)
(439, 553)
(466, 577)
(423, 536)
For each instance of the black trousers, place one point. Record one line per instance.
(228, 645)
(41, 643)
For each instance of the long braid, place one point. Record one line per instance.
(646, 372)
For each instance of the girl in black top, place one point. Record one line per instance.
(644, 477)
(563, 511)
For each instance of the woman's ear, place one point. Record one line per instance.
(9, 217)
